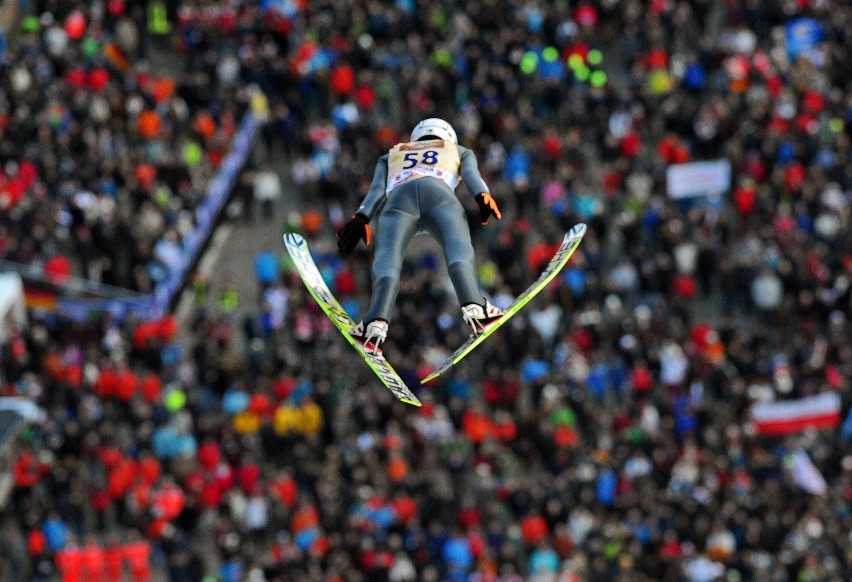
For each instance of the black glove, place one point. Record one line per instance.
(358, 228)
(487, 207)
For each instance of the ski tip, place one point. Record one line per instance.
(414, 402)
(293, 238)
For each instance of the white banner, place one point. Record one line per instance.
(698, 179)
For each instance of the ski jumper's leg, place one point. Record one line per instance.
(396, 227)
(444, 218)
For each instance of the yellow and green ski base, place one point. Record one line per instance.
(298, 249)
(569, 244)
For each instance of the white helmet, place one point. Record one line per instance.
(434, 126)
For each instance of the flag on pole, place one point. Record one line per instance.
(791, 416)
(805, 474)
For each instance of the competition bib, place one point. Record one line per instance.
(418, 159)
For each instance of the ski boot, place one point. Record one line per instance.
(480, 317)
(371, 335)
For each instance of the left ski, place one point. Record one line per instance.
(298, 249)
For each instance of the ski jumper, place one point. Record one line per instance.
(413, 191)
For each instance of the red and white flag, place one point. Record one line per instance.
(789, 416)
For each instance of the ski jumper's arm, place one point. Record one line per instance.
(358, 227)
(376, 194)
(469, 172)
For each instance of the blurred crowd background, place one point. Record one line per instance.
(607, 433)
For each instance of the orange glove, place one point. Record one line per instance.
(487, 207)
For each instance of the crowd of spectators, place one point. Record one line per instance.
(104, 157)
(605, 434)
